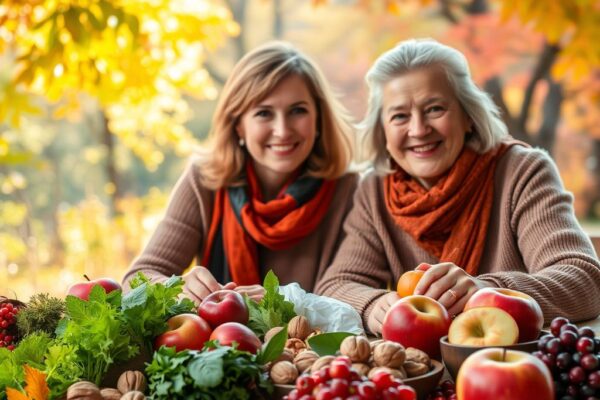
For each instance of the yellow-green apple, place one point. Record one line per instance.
(223, 306)
(502, 374)
(186, 331)
(234, 332)
(522, 307)
(417, 321)
(484, 326)
(83, 289)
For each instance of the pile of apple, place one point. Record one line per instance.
(339, 380)
(497, 317)
(573, 356)
(221, 316)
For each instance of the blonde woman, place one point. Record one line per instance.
(271, 188)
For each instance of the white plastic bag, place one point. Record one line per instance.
(325, 313)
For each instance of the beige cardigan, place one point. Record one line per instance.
(534, 243)
(182, 234)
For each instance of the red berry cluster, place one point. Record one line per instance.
(8, 313)
(573, 356)
(446, 391)
(340, 381)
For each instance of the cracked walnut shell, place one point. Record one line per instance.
(295, 345)
(357, 348)
(283, 372)
(389, 354)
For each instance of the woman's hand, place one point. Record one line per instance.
(382, 305)
(255, 292)
(199, 283)
(449, 284)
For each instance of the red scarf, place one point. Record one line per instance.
(451, 219)
(241, 220)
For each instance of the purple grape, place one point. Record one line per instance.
(577, 375)
(568, 339)
(585, 345)
(587, 332)
(556, 324)
(554, 346)
(563, 360)
(589, 362)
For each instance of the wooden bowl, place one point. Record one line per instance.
(454, 355)
(423, 384)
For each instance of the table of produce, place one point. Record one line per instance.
(151, 342)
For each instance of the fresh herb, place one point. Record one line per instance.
(273, 310)
(214, 373)
(98, 332)
(41, 314)
(148, 306)
(63, 368)
(273, 348)
(29, 351)
(327, 344)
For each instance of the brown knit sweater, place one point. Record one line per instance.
(182, 235)
(534, 243)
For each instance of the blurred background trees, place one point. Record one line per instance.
(101, 102)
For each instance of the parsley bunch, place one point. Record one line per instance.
(273, 310)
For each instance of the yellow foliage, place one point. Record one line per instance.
(136, 57)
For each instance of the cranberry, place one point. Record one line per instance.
(383, 380)
(324, 394)
(406, 392)
(390, 393)
(367, 390)
(344, 359)
(339, 369)
(339, 387)
(305, 383)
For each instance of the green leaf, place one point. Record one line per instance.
(136, 297)
(273, 348)
(207, 369)
(327, 344)
(97, 294)
(75, 307)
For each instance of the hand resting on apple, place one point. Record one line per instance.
(449, 284)
(199, 283)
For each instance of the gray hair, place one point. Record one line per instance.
(489, 129)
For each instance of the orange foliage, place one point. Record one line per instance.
(36, 387)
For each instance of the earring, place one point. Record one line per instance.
(242, 142)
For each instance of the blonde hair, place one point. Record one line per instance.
(488, 127)
(221, 159)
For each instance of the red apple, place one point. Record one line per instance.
(83, 289)
(484, 326)
(186, 331)
(522, 307)
(417, 321)
(231, 332)
(504, 375)
(223, 306)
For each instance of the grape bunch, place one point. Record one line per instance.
(573, 356)
(446, 391)
(8, 320)
(340, 381)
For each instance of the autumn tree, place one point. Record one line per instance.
(136, 59)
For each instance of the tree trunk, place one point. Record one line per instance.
(112, 175)
(551, 114)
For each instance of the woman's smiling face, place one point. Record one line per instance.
(424, 124)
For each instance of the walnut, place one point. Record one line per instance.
(361, 368)
(415, 368)
(305, 360)
(83, 390)
(272, 332)
(389, 354)
(283, 372)
(321, 363)
(110, 394)
(375, 343)
(132, 380)
(396, 373)
(295, 345)
(133, 395)
(298, 327)
(314, 332)
(357, 348)
(286, 355)
(417, 356)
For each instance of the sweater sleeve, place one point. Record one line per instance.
(359, 269)
(178, 236)
(563, 272)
